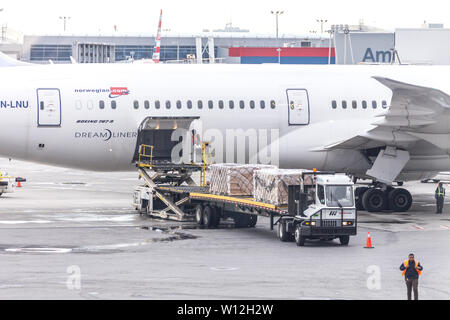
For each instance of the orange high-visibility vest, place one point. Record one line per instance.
(406, 264)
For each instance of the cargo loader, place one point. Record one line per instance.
(322, 206)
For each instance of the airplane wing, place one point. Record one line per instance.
(416, 113)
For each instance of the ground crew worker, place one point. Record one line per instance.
(411, 271)
(439, 195)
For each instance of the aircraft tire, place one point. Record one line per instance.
(359, 192)
(400, 200)
(374, 200)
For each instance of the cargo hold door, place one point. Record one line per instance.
(49, 108)
(298, 106)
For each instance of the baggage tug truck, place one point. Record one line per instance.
(321, 207)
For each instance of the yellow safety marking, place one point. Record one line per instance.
(240, 200)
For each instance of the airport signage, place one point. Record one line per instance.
(384, 56)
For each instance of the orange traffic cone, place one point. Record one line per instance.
(18, 184)
(369, 242)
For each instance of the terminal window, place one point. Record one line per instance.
(57, 53)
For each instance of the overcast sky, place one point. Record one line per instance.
(192, 16)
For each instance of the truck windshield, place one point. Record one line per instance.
(339, 196)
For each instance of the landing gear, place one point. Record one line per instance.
(374, 200)
(399, 200)
(377, 200)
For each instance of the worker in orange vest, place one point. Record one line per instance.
(411, 271)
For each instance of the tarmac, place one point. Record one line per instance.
(69, 234)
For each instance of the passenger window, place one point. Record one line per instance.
(189, 104)
(101, 104)
(241, 104)
(168, 104)
(262, 104)
(178, 104)
(374, 104)
(210, 104)
(252, 104)
(113, 104)
(231, 104)
(344, 104)
(354, 104)
(334, 104)
(147, 104)
(77, 105)
(90, 105)
(272, 104)
(384, 104)
(200, 104)
(364, 104)
(220, 104)
(157, 104)
(136, 104)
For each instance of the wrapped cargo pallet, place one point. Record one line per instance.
(233, 179)
(271, 185)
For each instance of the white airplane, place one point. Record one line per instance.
(387, 123)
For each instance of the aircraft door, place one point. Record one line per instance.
(49, 108)
(298, 106)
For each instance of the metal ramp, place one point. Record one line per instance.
(163, 173)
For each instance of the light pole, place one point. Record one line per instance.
(322, 22)
(276, 13)
(65, 21)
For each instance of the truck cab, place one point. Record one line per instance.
(326, 210)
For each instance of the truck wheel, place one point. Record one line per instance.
(199, 215)
(359, 192)
(400, 200)
(299, 239)
(374, 200)
(344, 240)
(253, 220)
(241, 221)
(144, 207)
(208, 217)
(283, 235)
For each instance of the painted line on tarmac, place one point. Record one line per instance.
(417, 227)
(445, 227)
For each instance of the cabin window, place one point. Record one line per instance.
(354, 104)
(220, 104)
(168, 104)
(241, 104)
(364, 104)
(200, 104)
(136, 104)
(147, 104)
(262, 104)
(210, 104)
(384, 104)
(189, 104)
(157, 104)
(101, 104)
(252, 104)
(273, 104)
(374, 104)
(231, 104)
(90, 105)
(178, 104)
(344, 104)
(113, 104)
(334, 104)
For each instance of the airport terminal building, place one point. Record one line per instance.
(347, 45)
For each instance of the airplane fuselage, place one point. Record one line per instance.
(87, 116)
